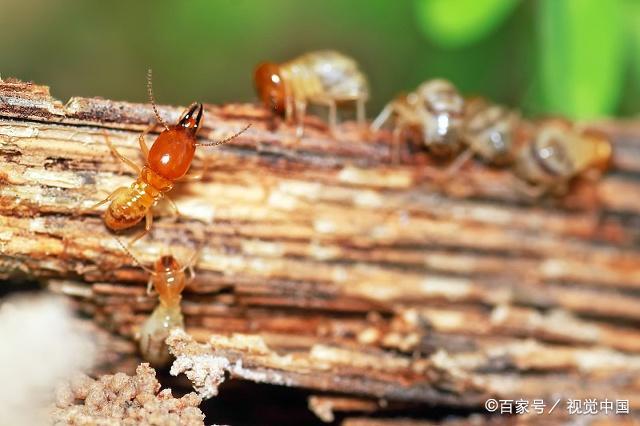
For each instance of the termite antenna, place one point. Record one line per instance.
(135, 259)
(223, 141)
(153, 100)
(193, 258)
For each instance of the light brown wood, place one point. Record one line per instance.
(454, 291)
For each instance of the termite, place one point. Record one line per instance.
(558, 152)
(324, 77)
(434, 110)
(166, 163)
(490, 132)
(169, 279)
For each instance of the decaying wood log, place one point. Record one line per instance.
(337, 270)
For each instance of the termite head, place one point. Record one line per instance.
(166, 264)
(171, 155)
(169, 280)
(270, 86)
(191, 118)
(172, 152)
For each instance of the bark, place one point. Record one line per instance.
(357, 277)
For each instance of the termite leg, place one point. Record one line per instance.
(192, 261)
(174, 206)
(457, 164)
(148, 221)
(333, 112)
(150, 291)
(382, 117)
(360, 111)
(333, 115)
(110, 197)
(395, 145)
(192, 273)
(189, 266)
(143, 145)
(121, 157)
(147, 228)
(301, 110)
(288, 109)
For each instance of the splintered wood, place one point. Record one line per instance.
(326, 267)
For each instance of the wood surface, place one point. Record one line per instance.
(345, 273)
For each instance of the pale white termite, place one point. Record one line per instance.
(168, 278)
(324, 77)
(434, 111)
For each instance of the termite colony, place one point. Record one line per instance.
(166, 162)
(545, 155)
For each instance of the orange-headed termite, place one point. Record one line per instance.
(166, 162)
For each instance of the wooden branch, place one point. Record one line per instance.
(417, 291)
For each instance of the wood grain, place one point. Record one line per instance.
(452, 291)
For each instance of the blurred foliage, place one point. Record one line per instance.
(631, 10)
(581, 53)
(576, 57)
(459, 22)
(581, 48)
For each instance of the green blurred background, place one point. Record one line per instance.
(580, 58)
